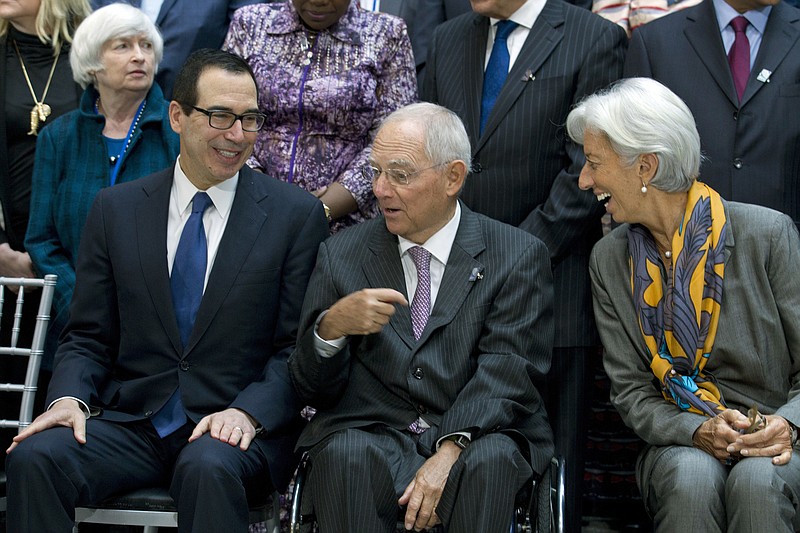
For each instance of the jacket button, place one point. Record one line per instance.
(418, 373)
(737, 163)
(477, 168)
(184, 365)
(421, 409)
(735, 115)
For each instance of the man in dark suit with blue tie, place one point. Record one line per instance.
(172, 369)
(512, 70)
(429, 405)
(749, 123)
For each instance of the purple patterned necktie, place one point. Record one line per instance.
(421, 304)
(739, 55)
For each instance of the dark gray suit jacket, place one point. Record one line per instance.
(526, 169)
(488, 336)
(753, 149)
(121, 352)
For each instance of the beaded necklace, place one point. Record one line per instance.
(116, 160)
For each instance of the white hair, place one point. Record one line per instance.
(114, 21)
(641, 116)
(446, 138)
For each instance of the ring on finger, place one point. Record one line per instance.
(240, 429)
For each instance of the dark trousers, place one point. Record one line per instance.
(49, 474)
(566, 393)
(357, 476)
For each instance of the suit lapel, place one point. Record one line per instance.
(244, 226)
(386, 270)
(151, 221)
(474, 48)
(702, 32)
(162, 13)
(780, 35)
(459, 274)
(542, 40)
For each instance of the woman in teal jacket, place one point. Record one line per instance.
(120, 132)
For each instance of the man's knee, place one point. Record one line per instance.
(493, 452)
(42, 452)
(207, 460)
(346, 449)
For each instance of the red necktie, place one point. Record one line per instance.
(739, 55)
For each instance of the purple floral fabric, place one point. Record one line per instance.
(324, 97)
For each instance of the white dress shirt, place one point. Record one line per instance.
(439, 245)
(152, 8)
(215, 217)
(370, 5)
(525, 17)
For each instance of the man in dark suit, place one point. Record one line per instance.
(159, 381)
(752, 142)
(430, 405)
(526, 169)
(186, 25)
(422, 17)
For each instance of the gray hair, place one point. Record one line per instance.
(113, 21)
(641, 116)
(446, 138)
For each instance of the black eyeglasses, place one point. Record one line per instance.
(223, 120)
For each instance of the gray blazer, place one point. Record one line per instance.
(756, 354)
(489, 334)
(752, 147)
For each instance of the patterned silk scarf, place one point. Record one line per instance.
(679, 327)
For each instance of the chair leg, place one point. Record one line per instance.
(150, 529)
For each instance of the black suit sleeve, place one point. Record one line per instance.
(88, 347)
(561, 220)
(637, 61)
(276, 384)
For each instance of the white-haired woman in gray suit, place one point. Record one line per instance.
(698, 307)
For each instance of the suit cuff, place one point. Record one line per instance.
(454, 434)
(81, 404)
(327, 348)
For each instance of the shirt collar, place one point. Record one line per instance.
(756, 17)
(440, 243)
(526, 15)
(183, 192)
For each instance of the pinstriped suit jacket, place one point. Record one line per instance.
(472, 369)
(528, 168)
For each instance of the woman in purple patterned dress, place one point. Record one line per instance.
(328, 74)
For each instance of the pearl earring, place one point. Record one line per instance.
(644, 188)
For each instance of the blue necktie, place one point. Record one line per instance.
(187, 279)
(496, 69)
